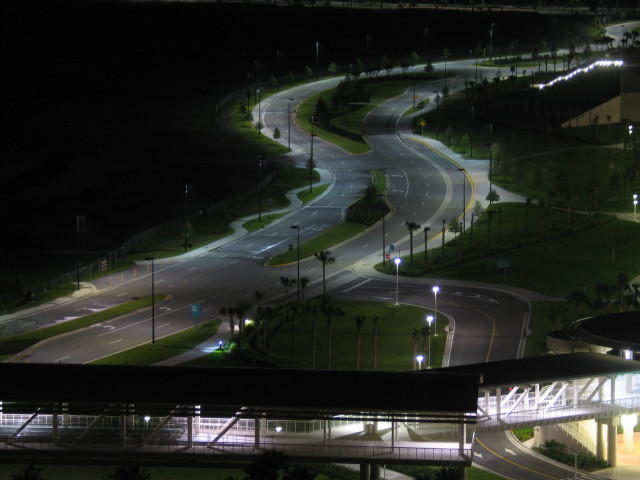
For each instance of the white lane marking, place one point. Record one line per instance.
(164, 325)
(115, 341)
(192, 268)
(357, 285)
(60, 359)
(121, 294)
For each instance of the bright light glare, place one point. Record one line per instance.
(429, 319)
(599, 63)
(436, 289)
(629, 421)
(397, 260)
(628, 354)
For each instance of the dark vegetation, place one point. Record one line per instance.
(559, 451)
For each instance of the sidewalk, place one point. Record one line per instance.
(86, 289)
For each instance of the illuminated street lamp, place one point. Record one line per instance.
(464, 197)
(429, 320)
(419, 358)
(397, 261)
(635, 203)
(435, 291)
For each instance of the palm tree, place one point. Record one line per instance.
(295, 310)
(359, 323)
(286, 283)
(426, 232)
(412, 227)
(415, 336)
(304, 281)
(314, 332)
(241, 311)
(324, 257)
(425, 331)
(526, 215)
(375, 341)
(623, 281)
(230, 311)
(330, 311)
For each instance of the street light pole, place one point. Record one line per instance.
(384, 255)
(289, 120)
(317, 61)
(298, 281)
(429, 320)
(435, 291)
(186, 208)
(78, 249)
(635, 203)
(260, 188)
(259, 114)
(311, 159)
(153, 302)
(414, 87)
(490, 172)
(464, 198)
(419, 358)
(397, 261)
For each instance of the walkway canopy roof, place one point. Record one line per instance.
(547, 368)
(259, 392)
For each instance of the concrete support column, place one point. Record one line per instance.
(462, 437)
(498, 401)
(628, 423)
(600, 443)
(256, 431)
(54, 428)
(374, 471)
(329, 429)
(189, 432)
(575, 394)
(123, 430)
(628, 383)
(612, 450)
(365, 471)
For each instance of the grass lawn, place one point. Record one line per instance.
(395, 343)
(165, 347)
(15, 344)
(579, 260)
(326, 239)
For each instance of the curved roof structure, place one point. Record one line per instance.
(614, 330)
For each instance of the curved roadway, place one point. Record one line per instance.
(487, 322)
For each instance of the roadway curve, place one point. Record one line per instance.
(424, 187)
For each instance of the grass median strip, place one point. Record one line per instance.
(164, 348)
(15, 344)
(325, 240)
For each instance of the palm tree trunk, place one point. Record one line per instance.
(313, 344)
(329, 342)
(358, 352)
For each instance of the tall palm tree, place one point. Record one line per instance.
(286, 283)
(304, 281)
(324, 257)
(426, 232)
(230, 311)
(241, 311)
(375, 341)
(295, 310)
(359, 323)
(623, 283)
(415, 336)
(412, 227)
(330, 311)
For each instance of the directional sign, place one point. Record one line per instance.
(391, 247)
(196, 310)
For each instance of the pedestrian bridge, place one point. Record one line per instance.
(211, 416)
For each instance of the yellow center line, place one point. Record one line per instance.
(516, 464)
